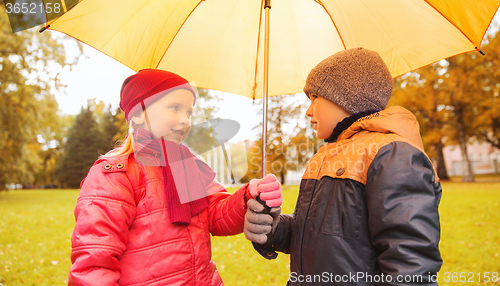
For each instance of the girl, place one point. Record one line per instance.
(146, 210)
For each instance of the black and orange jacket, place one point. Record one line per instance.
(367, 205)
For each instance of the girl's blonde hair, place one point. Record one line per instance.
(126, 148)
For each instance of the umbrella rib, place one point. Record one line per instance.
(465, 35)
(48, 23)
(257, 55)
(333, 22)
(136, 50)
(177, 32)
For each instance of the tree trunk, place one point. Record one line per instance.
(282, 177)
(468, 175)
(492, 141)
(2, 184)
(440, 163)
(42, 179)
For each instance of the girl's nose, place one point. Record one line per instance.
(184, 120)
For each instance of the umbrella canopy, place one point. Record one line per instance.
(233, 46)
(218, 44)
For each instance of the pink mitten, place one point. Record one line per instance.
(269, 190)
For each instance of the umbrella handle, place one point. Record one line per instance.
(267, 209)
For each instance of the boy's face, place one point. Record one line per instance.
(324, 115)
(170, 116)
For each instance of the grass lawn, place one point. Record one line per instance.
(36, 225)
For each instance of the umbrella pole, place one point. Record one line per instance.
(267, 8)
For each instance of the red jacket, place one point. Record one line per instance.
(123, 234)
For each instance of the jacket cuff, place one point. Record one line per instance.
(266, 252)
(247, 196)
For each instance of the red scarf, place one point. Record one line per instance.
(185, 176)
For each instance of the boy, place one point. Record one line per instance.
(367, 210)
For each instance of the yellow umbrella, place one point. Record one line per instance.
(221, 44)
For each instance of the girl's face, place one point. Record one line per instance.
(324, 115)
(168, 117)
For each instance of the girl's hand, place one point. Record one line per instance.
(269, 189)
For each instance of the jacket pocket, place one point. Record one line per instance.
(341, 205)
(166, 260)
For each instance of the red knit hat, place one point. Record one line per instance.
(148, 85)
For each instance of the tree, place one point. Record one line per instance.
(461, 86)
(121, 124)
(52, 150)
(283, 112)
(291, 142)
(488, 119)
(83, 147)
(419, 92)
(29, 63)
(109, 129)
(456, 102)
(472, 83)
(440, 96)
(111, 125)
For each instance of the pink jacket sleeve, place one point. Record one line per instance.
(226, 212)
(104, 211)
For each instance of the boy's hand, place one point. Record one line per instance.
(269, 189)
(259, 226)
